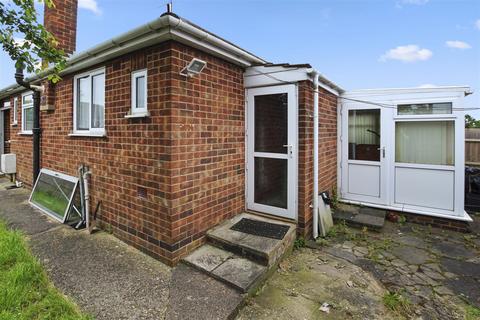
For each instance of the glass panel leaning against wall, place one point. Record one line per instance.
(364, 135)
(424, 108)
(425, 142)
(53, 193)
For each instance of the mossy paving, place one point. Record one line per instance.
(421, 265)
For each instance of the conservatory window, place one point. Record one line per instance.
(424, 108)
(425, 142)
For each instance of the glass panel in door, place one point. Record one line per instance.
(364, 135)
(271, 137)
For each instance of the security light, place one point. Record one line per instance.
(194, 67)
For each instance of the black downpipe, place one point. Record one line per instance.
(36, 130)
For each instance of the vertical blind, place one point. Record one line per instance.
(425, 142)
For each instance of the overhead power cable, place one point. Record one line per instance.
(379, 104)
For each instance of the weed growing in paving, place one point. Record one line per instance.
(299, 243)
(397, 302)
(25, 290)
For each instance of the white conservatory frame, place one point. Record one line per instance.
(404, 180)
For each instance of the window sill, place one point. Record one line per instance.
(88, 134)
(25, 133)
(138, 115)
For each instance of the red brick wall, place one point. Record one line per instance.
(208, 160)
(61, 21)
(162, 180)
(327, 150)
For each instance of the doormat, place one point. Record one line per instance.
(261, 228)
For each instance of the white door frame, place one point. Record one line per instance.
(386, 153)
(291, 157)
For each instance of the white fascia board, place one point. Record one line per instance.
(261, 76)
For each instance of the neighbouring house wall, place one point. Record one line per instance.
(165, 179)
(327, 150)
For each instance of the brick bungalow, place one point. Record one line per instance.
(174, 153)
(167, 174)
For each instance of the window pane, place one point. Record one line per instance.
(28, 99)
(425, 108)
(271, 124)
(425, 142)
(28, 119)
(364, 135)
(140, 92)
(83, 103)
(52, 194)
(98, 101)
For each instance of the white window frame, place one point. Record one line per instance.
(91, 131)
(25, 107)
(15, 111)
(139, 111)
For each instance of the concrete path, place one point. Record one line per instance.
(109, 279)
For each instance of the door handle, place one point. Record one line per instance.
(289, 150)
(383, 151)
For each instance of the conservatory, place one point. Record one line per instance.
(403, 149)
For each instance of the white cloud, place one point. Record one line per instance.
(91, 5)
(408, 53)
(458, 45)
(477, 24)
(427, 85)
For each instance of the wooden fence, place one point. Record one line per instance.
(472, 146)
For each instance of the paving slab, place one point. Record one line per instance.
(360, 216)
(207, 258)
(240, 272)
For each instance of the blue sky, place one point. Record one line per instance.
(357, 44)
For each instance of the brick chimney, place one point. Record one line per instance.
(61, 21)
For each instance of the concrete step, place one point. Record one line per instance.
(238, 272)
(263, 250)
(357, 216)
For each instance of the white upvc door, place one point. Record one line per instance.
(271, 143)
(365, 153)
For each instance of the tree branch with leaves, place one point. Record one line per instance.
(26, 41)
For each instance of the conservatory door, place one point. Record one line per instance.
(364, 154)
(271, 150)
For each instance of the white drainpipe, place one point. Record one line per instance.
(87, 199)
(315, 154)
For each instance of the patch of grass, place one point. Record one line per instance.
(472, 312)
(26, 292)
(402, 219)
(299, 243)
(397, 302)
